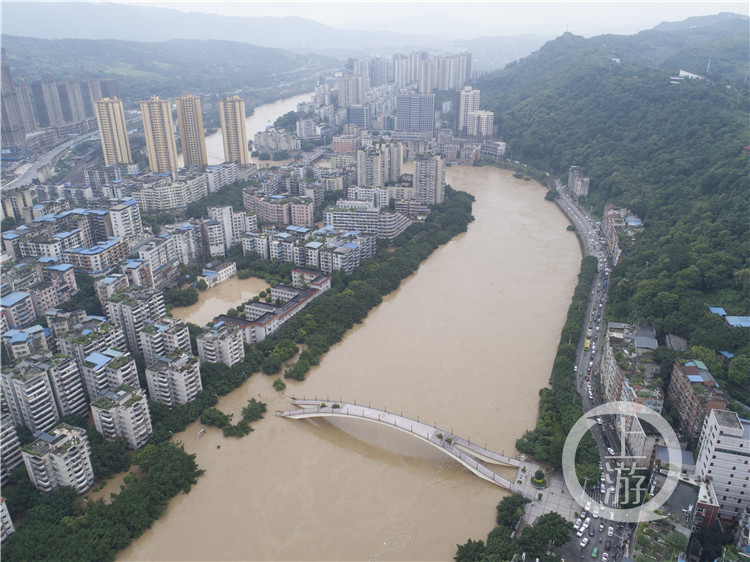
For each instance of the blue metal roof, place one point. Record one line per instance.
(717, 310)
(738, 321)
(13, 298)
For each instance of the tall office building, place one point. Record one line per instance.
(159, 132)
(468, 102)
(232, 113)
(113, 131)
(192, 136)
(60, 458)
(429, 179)
(416, 112)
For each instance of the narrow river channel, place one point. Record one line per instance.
(465, 343)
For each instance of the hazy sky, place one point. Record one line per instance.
(513, 18)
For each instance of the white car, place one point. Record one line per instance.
(588, 506)
(611, 451)
(584, 542)
(600, 421)
(610, 531)
(595, 513)
(603, 489)
(577, 524)
(611, 489)
(587, 521)
(581, 531)
(605, 557)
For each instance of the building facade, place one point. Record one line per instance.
(158, 129)
(192, 135)
(113, 132)
(59, 458)
(234, 131)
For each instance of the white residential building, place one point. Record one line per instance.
(220, 343)
(724, 459)
(10, 448)
(123, 414)
(59, 458)
(131, 307)
(6, 523)
(28, 394)
(162, 337)
(126, 219)
(429, 179)
(174, 380)
(108, 371)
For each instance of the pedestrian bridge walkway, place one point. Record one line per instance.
(467, 453)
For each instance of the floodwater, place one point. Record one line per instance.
(465, 343)
(262, 117)
(217, 300)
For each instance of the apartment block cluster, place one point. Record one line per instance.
(719, 466)
(37, 116)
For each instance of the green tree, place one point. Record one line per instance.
(739, 370)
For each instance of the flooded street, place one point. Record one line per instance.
(465, 343)
(217, 300)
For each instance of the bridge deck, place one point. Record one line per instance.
(462, 450)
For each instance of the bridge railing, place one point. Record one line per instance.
(465, 458)
(464, 442)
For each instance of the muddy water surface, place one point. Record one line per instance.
(465, 343)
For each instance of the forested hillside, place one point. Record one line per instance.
(167, 68)
(673, 153)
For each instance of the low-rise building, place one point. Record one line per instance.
(26, 341)
(214, 274)
(59, 458)
(123, 414)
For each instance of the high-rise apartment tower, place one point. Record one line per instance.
(159, 131)
(192, 136)
(232, 113)
(113, 132)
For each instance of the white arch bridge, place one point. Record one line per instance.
(469, 454)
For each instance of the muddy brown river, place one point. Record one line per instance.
(465, 343)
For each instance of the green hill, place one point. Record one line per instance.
(673, 153)
(168, 68)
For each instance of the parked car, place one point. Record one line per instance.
(610, 531)
(592, 531)
(584, 542)
(611, 451)
(595, 552)
(577, 524)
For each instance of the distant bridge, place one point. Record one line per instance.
(467, 453)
